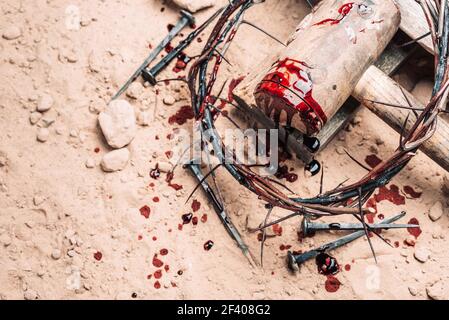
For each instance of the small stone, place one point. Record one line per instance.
(35, 117)
(436, 211)
(413, 290)
(169, 100)
(90, 163)
(56, 254)
(421, 254)
(42, 134)
(38, 200)
(164, 166)
(45, 103)
(410, 240)
(30, 295)
(97, 106)
(438, 291)
(144, 118)
(12, 33)
(356, 120)
(340, 150)
(135, 90)
(115, 160)
(423, 91)
(49, 118)
(194, 5)
(118, 123)
(71, 253)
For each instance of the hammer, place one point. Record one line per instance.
(336, 47)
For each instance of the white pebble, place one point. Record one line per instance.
(42, 134)
(421, 254)
(169, 100)
(12, 33)
(90, 163)
(56, 254)
(115, 160)
(35, 117)
(436, 211)
(45, 103)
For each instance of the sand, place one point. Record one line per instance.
(68, 230)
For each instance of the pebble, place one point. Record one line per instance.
(115, 160)
(356, 120)
(71, 253)
(135, 90)
(30, 295)
(438, 291)
(340, 150)
(423, 91)
(56, 254)
(118, 123)
(12, 33)
(436, 211)
(49, 118)
(38, 200)
(413, 290)
(42, 134)
(144, 118)
(410, 240)
(252, 222)
(164, 166)
(194, 5)
(35, 117)
(421, 254)
(169, 100)
(90, 163)
(45, 103)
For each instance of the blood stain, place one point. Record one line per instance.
(157, 274)
(396, 244)
(163, 252)
(98, 255)
(155, 199)
(372, 160)
(145, 211)
(412, 193)
(344, 10)
(157, 285)
(347, 267)
(327, 264)
(195, 221)
(204, 218)
(155, 173)
(139, 237)
(391, 195)
(414, 231)
(184, 113)
(208, 245)
(196, 205)
(332, 284)
(169, 178)
(156, 262)
(277, 229)
(169, 154)
(283, 173)
(167, 268)
(97, 150)
(154, 238)
(180, 227)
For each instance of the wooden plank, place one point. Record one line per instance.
(376, 85)
(414, 23)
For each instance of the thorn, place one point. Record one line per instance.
(414, 40)
(357, 161)
(263, 31)
(359, 190)
(223, 57)
(202, 180)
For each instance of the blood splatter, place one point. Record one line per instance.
(277, 229)
(344, 10)
(98, 255)
(163, 252)
(283, 247)
(139, 237)
(208, 245)
(283, 173)
(373, 161)
(180, 227)
(169, 178)
(157, 285)
(184, 113)
(181, 62)
(186, 218)
(169, 154)
(195, 221)
(196, 205)
(396, 244)
(332, 284)
(155, 199)
(204, 218)
(167, 268)
(391, 195)
(156, 262)
(180, 272)
(97, 150)
(157, 274)
(414, 231)
(412, 193)
(145, 211)
(347, 267)
(327, 264)
(154, 238)
(381, 216)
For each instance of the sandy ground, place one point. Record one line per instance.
(72, 232)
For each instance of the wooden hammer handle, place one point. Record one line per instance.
(375, 85)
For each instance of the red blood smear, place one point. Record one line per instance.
(174, 285)
(170, 136)
(145, 211)
(372, 160)
(155, 173)
(167, 268)
(184, 113)
(208, 245)
(156, 262)
(234, 83)
(169, 154)
(396, 244)
(196, 205)
(151, 185)
(168, 48)
(195, 221)
(169, 179)
(180, 227)
(332, 284)
(155, 199)
(98, 255)
(181, 63)
(186, 218)
(154, 238)
(139, 237)
(414, 231)
(158, 274)
(199, 40)
(260, 236)
(96, 150)
(370, 217)
(412, 193)
(344, 10)
(371, 203)
(204, 218)
(277, 229)
(149, 276)
(285, 247)
(283, 173)
(163, 252)
(157, 285)
(391, 195)
(347, 267)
